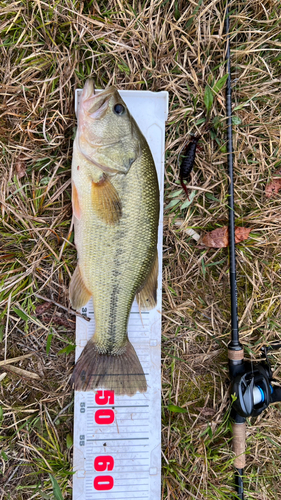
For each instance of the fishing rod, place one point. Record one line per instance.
(251, 389)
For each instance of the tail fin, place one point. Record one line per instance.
(122, 373)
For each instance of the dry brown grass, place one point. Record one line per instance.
(48, 49)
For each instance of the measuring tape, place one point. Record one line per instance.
(117, 439)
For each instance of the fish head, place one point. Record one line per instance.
(107, 134)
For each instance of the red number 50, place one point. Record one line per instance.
(104, 397)
(104, 417)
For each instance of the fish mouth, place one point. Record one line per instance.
(96, 105)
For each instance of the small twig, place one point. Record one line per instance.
(12, 475)
(5, 362)
(60, 412)
(69, 310)
(22, 373)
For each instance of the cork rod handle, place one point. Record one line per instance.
(239, 444)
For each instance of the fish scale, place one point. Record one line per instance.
(126, 268)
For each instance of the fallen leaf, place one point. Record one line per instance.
(20, 168)
(42, 308)
(241, 233)
(272, 188)
(219, 238)
(205, 412)
(57, 319)
(63, 321)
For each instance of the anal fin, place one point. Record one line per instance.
(79, 295)
(105, 201)
(147, 295)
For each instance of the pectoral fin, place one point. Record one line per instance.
(75, 202)
(79, 295)
(147, 296)
(106, 201)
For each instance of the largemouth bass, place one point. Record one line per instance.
(115, 198)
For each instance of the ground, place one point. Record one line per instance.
(48, 49)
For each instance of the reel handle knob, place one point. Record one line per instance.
(276, 395)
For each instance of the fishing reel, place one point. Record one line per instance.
(252, 386)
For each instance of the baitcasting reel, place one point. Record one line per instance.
(252, 387)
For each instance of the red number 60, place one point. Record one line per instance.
(103, 463)
(103, 483)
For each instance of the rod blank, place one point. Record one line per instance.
(235, 349)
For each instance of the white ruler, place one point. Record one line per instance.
(117, 439)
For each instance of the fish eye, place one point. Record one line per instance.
(119, 109)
